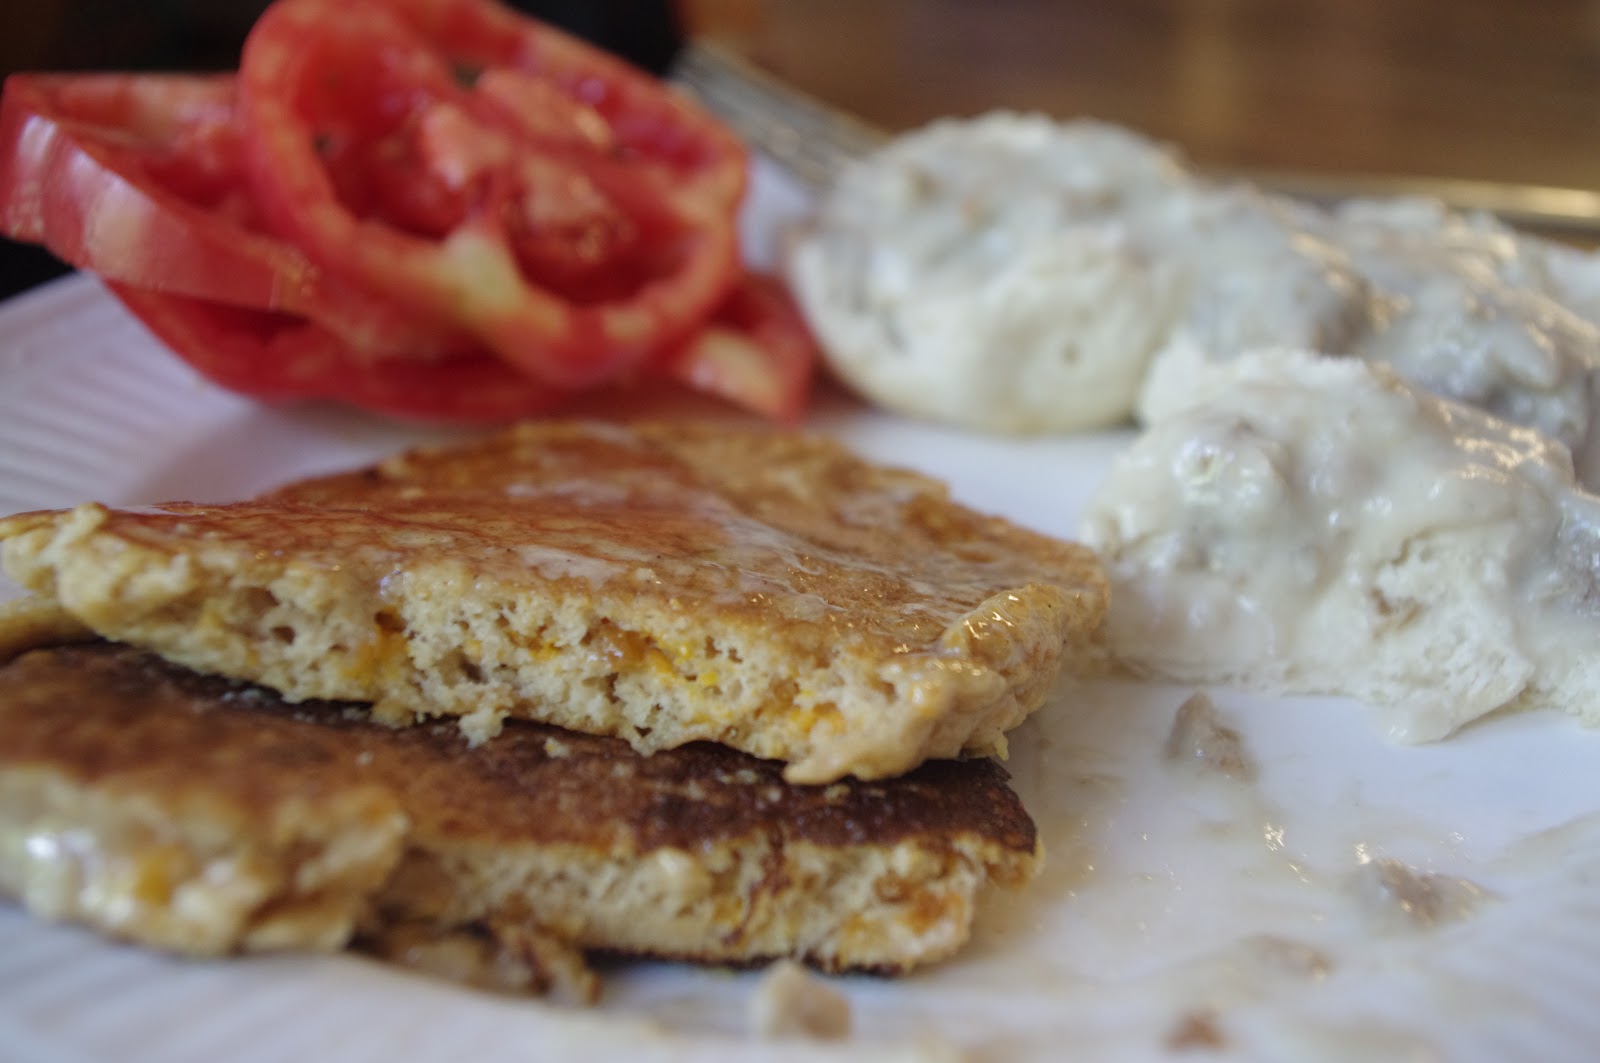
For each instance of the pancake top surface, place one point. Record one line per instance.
(763, 589)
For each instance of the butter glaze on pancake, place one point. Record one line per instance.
(206, 816)
(665, 583)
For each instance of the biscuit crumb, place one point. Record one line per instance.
(1197, 1031)
(1202, 740)
(792, 1002)
(1399, 897)
(503, 958)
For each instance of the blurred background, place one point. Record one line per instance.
(1503, 90)
(1497, 90)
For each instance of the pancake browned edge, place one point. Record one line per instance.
(206, 816)
(663, 583)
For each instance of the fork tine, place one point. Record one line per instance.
(799, 132)
(718, 68)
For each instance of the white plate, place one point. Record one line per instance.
(1170, 903)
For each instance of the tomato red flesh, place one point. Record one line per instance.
(404, 171)
(502, 271)
(95, 168)
(140, 178)
(756, 352)
(278, 356)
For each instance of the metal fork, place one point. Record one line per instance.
(813, 141)
(800, 133)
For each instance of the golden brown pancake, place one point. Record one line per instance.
(207, 816)
(664, 583)
(30, 623)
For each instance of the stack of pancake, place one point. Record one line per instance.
(671, 689)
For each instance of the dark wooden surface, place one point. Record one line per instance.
(1505, 90)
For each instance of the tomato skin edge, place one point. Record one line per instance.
(756, 352)
(85, 188)
(72, 196)
(278, 358)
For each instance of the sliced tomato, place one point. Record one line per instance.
(756, 352)
(140, 178)
(577, 229)
(565, 92)
(428, 208)
(278, 356)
